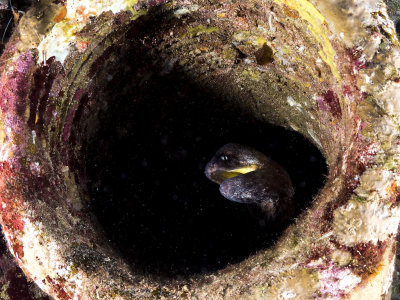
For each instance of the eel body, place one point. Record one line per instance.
(246, 175)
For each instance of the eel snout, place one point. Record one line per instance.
(246, 175)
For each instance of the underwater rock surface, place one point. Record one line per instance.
(326, 69)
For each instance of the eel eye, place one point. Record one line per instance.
(223, 157)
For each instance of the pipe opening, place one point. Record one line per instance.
(146, 182)
(147, 124)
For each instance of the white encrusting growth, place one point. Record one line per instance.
(389, 279)
(5, 151)
(57, 43)
(376, 180)
(292, 102)
(364, 222)
(389, 99)
(42, 258)
(315, 138)
(185, 10)
(289, 294)
(61, 38)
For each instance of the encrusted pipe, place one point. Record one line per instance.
(327, 69)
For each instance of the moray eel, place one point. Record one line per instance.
(246, 175)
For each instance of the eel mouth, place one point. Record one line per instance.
(218, 175)
(239, 171)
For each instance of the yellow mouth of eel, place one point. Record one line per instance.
(239, 171)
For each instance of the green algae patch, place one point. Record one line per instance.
(3, 292)
(138, 13)
(250, 38)
(230, 53)
(129, 6)
(361, 199)
(201, 29)
(251, 74)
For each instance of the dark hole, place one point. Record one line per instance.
(147, 183)
(145, 170)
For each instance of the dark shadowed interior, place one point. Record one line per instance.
(146, 182)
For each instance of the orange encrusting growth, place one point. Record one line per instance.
(61, 16)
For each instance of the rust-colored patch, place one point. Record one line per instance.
(342, 197)
(13, 221)
(392, 189)
(81, 10)
(290, 12)
(58, 288)
(317, 253)
(61, 15)
(367, 257)
(363, 154)
(10, 207)
(82, 46)
(18, 249)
